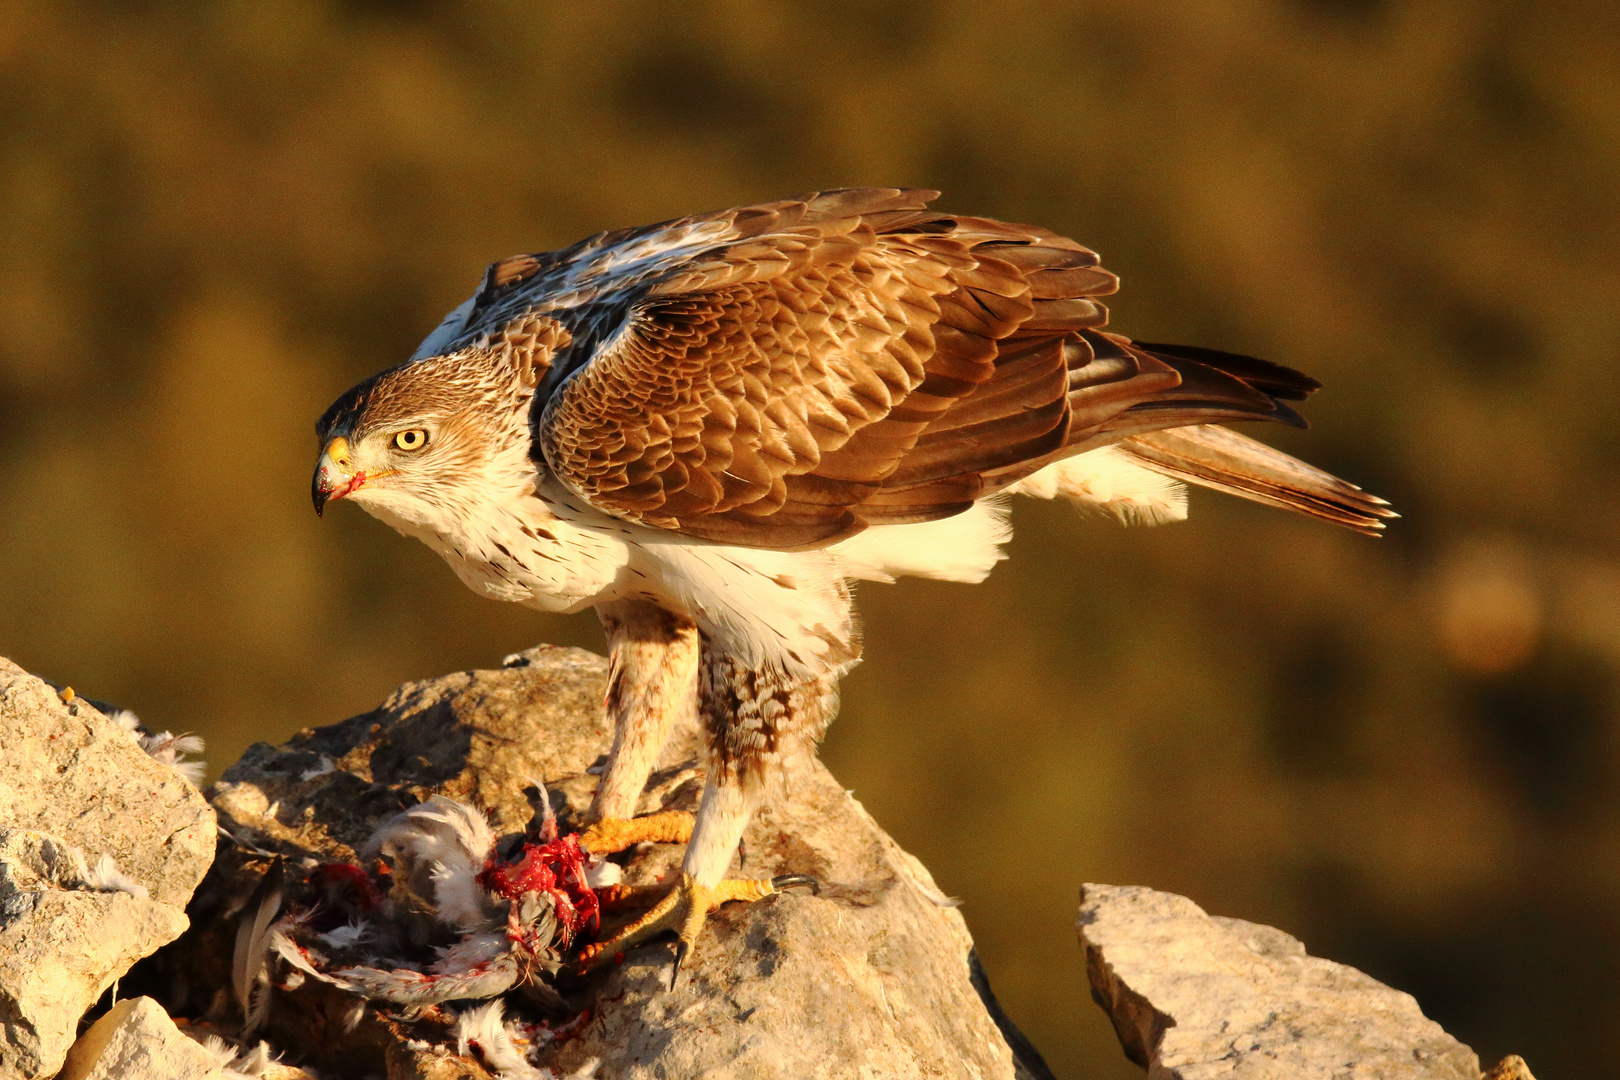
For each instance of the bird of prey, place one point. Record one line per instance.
(706, 428)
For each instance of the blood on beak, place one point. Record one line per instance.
(333, 477)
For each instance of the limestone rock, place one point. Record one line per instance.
(1194, 997)
(136, 1040)
(62, 942)
(71, 772)
(100, 847)
(870, 978)
(1511, 1067)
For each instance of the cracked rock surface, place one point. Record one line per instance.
(1195, 997)
(75, 788)
(871, 978)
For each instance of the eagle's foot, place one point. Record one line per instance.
(615, 834)
(685, 909)
(618, 897)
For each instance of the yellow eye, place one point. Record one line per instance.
(413, 439)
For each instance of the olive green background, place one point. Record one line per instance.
(216, 215)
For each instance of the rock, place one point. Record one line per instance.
(62, 943)
(1194, 996)
(1511, 1067)
(100, 847)
(870, 978)
(71, 772)
(277, 1071)
(136, 1040)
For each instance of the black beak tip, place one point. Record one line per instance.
(319, 495)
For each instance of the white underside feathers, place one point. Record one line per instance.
(960, 548)
(1108, 480)
(789, 609)
(965, 547)
(757, 604)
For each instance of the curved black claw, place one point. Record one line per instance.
(787, 881)
(675, 969)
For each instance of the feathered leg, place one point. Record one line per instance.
(752, 718)
(652, 684)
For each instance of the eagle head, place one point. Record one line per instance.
(434, 434)
(422, 441)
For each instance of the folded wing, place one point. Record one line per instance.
(851, 358)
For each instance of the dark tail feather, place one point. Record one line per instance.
(1211, 387)
(1263, 375)
(1220, 458)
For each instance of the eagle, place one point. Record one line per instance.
(706, 428)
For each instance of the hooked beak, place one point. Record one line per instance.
(333, 476)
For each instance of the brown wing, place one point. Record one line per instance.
(860, 360)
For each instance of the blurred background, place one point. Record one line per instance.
(215, 215)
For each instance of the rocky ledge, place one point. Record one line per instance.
(1195, 997)
(333, 850)
(872, 977)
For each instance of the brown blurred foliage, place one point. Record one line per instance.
(217, 214)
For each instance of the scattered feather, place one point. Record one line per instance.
(232, 1062)
(256, 1062)
(250, 978)
(165, 747)
(171, 750)
(251, 1063)
(104, 876)
(223, 1053)
(281, 942)
(347, 936)
(925, 885)
(244, 845)
(501, 1045)
(126, 720)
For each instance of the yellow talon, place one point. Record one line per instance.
(616, 834)
(685, 909)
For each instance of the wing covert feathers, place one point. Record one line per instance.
(785, 375)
